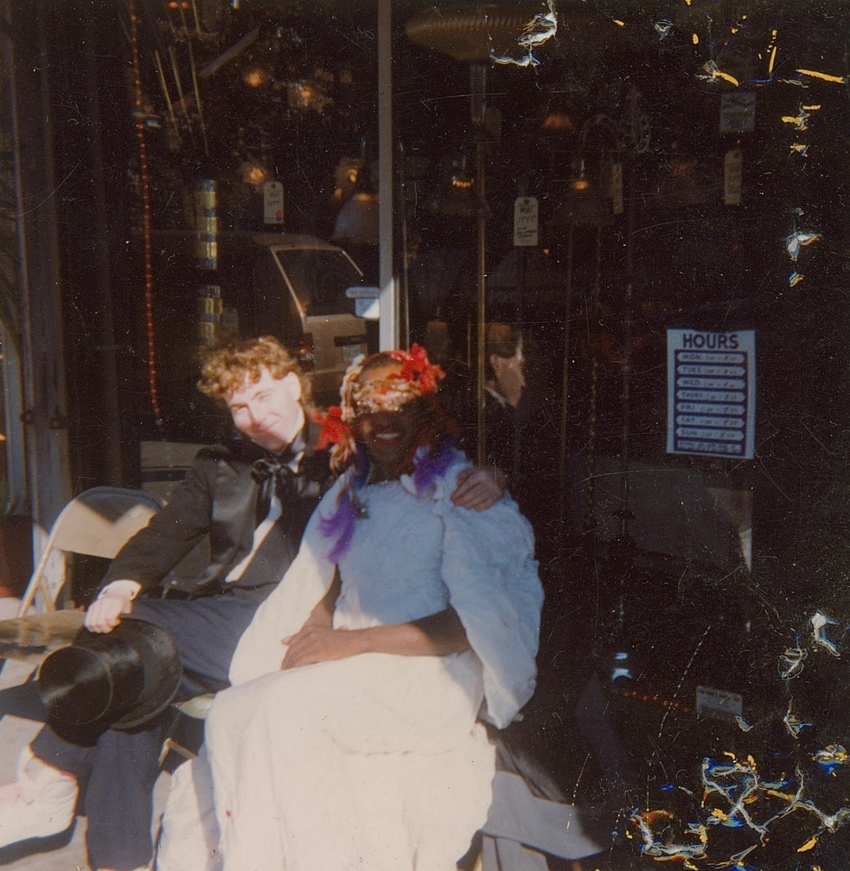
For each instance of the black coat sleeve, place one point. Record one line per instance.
(172, 533)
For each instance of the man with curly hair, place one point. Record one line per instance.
(251, 496)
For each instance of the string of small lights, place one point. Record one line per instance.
(144, 190)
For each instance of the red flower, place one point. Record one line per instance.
(335, 431)
(418, 368)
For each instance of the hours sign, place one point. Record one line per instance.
(711, 393)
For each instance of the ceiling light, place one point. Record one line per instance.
(256, 77)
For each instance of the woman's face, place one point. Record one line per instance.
(388, 436)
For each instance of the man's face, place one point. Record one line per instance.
(268, 411)
(510, 376)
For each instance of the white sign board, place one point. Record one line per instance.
(273, 202)
(367, 303)
(525, 222)
(711, 393)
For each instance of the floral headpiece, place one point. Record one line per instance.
(418, 377)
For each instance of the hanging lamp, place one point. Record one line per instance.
(471, 33)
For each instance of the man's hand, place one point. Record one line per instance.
(312, 644)
(479, 488)
(105, 613)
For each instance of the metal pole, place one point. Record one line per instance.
(110, 445)
(565, 381)
(481, 374)
(625, 511)
(478, 111)
(388, 328)
(590, 492)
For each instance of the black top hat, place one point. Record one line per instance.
(118, 679)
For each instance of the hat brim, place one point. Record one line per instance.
(161, 672)
(93, 673)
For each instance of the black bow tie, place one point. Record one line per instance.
(274, 475)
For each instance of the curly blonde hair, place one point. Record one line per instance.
(228, 365)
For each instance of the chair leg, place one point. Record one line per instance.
(183, 738)
(169, 745)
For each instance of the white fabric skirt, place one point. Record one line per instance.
(374, 762)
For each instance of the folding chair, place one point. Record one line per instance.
(97, 522)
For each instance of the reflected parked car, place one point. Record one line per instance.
(299, 285)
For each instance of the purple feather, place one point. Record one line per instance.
(427, 469)
(340, 525)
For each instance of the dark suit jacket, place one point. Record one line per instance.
(218, 497)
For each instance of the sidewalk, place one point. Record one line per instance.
(64, 852)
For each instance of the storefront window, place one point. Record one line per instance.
(654, 196)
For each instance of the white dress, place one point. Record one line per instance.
(378, 761)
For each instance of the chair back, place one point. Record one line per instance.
(98, 522)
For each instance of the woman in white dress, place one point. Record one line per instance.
(352, 737)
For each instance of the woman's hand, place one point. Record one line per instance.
(436, 635)
(316, 643)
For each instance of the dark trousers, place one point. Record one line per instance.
(120, 768)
